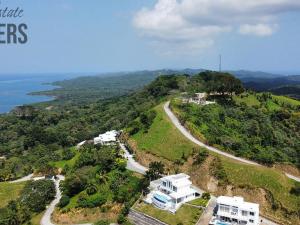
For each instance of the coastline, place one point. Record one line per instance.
(27, 91)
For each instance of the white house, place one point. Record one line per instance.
(108, 138)
(234, 210)
(170, 192)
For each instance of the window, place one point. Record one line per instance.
(175, 189)
(251, 221)
(244, 213)
(235, 209)
(164, 184)
(224, 208)
(252, 213)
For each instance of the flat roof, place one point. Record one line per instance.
(238, 202)
(180, 179)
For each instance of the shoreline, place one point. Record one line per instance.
(35, 94)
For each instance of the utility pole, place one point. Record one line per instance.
(220, 63)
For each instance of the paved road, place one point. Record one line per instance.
(46, 219)
(293, 177)
(26, 178)
(188, 135)
(139, 218)
(131, 163)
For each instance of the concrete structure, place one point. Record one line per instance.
(235, 211)
(108, 138)
(170, 192)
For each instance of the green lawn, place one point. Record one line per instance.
(9, 191)
(70, 163)
(163, 139)
(199, 202)
(187, 215)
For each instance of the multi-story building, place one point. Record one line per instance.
(108, 138)
(234, 210)
(170, 192)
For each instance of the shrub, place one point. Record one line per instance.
(121, 219)
(206, 195)
(91, 189)
(102, 222)
(64, 201)
(200, 157)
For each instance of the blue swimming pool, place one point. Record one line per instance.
(221, 223)
(161, 198)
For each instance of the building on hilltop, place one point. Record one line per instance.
(235, 211)
(170, 192)
(108, 138)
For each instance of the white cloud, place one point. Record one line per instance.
(258, 29)
(191, 25)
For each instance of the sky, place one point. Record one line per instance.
(66, 36)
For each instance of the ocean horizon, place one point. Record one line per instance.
(15, 88)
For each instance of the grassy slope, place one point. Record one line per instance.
(274, 104)
(170, 144)
(70, 163)
(163, 139)
(10, 191)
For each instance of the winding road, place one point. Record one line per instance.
(188, 135)
(46, 219)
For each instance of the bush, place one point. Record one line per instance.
(67, 154)
(121, 219)
(91, 189)
(92, 201)
(102, 222)
(296, 190)
(206, 196)
(200, 157)
(64, 201)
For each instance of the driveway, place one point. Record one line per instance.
(46, 219)
(131, 163)
(23, 179)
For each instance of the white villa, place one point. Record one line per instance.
(170, 192)
(108, 138)
(235, 211)
(198, 98)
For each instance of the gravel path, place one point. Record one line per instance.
(188, 135)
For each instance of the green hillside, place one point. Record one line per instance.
(260, 127)
(169, 143)
(163, 139)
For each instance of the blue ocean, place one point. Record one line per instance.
(14, 89)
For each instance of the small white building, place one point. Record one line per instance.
(170, 192)
(235, 211)
(108, 138)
